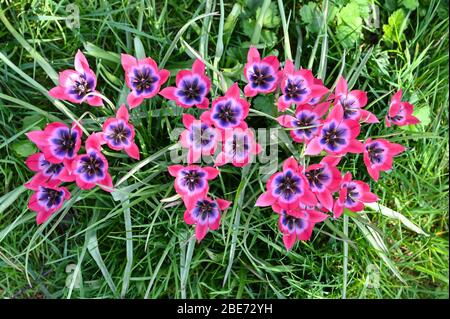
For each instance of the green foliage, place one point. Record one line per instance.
(410, 4)
(311, 17)
(393, 31)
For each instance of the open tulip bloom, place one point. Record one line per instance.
(191, 182)
(298, 87)
(205, 214)
(337, 136)
(118, 133)
(352, 195)
(229, 111)
(47, 199)
(287, 189)
(306, 123)
(262, 75)
(200, 137)
(238, 147)
(349, 105)
(400, 113)
(91, 168)
(297, 224)
(192, 87)
(46, 171)
(378, 155)
(324, 179)
(143, 78)
(57, 141)
(76, 85)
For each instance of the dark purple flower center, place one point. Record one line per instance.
(295, 90)
(143, 80)
(306, 122)
(191, 90)
(201, 135)
(287, 185)
(333, 136)
(91, 166)
(399, 117)
(192, 179)
(375, 152)
(350, 106)
(226, 113)
(64, 142)
(118, 133)
(82, 86)
(50, 197)
(317, 177)
(239, 145)
(292, 223)
(352, 194)
(261, 76)
(205, 209)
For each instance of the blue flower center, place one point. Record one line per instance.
(288, 185)
(261, 76)
(91, 166)
(192, 179)
(292, 223)
(317, 177)
(50, 197)
(295, 89)
(65, 142)
(143, 80)
(205, 209)
(375, 152)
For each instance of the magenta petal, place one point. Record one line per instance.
(37, 137)
(249, 92)
(42, 217)
(122, 113)
(58, 92)
(164, 75)
(223, 204)
(290, 163)
(253, 55)
(94, 100)
(200, 231)
(81, 64)
(198, 67)
(106, 184)
(133, 100)
(127, 61)
(188, 218)
(133, 151)
(204, 104)
(32, 162)
(313, 147)
(341, 86)
(265, 199)
(169, 93)
(233, 91)
(368, 117)
(289, 241)
(211, 172)
(326, 199)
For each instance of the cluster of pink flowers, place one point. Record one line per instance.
(59, 160)
(327, 123)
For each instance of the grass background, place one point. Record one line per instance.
(137, 247)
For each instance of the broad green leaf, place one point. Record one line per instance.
(23, 148)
